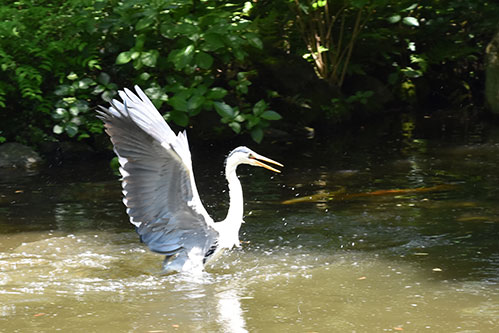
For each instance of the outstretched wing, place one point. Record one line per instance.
(158, 182)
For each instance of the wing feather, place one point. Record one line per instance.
(157, 177)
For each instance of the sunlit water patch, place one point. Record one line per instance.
(107, 281)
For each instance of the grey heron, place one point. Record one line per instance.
(159, 189)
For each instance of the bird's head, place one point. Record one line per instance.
(244, 155)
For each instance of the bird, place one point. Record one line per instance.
(159, 189)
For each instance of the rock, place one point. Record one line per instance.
(16, 155)
(492, 74)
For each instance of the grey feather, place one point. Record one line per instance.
(158, 182)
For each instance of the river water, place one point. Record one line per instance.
(361, 252)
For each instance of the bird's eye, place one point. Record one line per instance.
(251, 156)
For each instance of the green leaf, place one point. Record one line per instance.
(60, 113)
(243, 87)
(188, 50)
(107, 95)
(76, 120)
(178, 102)
(254, 40)
(149, 58)
(411, 7)
(195, 102)
(74, 110)
(200, 90)
(257, 134)
(182, 57)
(63, 90)
(124, 57)
(259, 107)
(216, 93)
(167, 30)
(180, 118)
(71, 129)
(213, 41)
(115, 164)
(411, 21)
(135, 55)
(144, 23)
(72, 76)
(85, 83)
(271, 115)
(139, 42)
(224, 110)
(98, 89)
(236, 127)
(252, 121)
(186, 29)
(144, 76)
(240, 54)
(58, 129)
(247, 7)
(104, 78)
(204, 60)
(411, 72)
(94, 64)
(319, 4)
(155, 93)
(394, 18)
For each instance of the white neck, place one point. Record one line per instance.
(229, 228)
(236, 206)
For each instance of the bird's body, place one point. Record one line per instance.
(159, 188)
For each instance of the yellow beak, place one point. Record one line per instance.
(257, 160)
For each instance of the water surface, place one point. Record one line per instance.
(427, 261)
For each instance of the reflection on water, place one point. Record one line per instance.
(230, 313)
(409, 262)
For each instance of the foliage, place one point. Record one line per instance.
(423, 52)
(65, 58)
(201, 59)
(192, 56)
(340, 107)
(73, 114)
(22, 45)
(446, 69)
